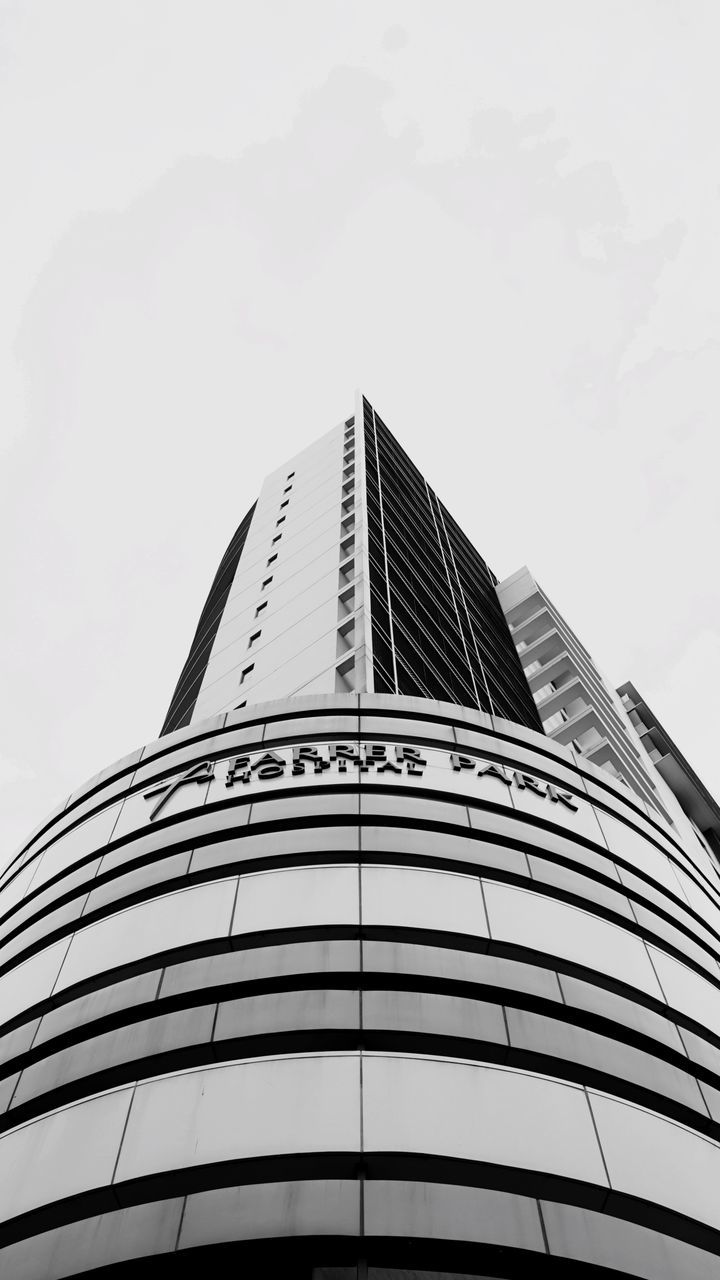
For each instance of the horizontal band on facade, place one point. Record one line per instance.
(442, 941)
(192, 839)
(242, 867)
(177, 822)
(266, 716)
(412, 1168)
(328, 1040)
(494, 874)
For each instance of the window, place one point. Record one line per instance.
(271, 561)
(262, 606)
(292, 473)
(288, 490)
(246, 672)
(255, 636)
(277, 537)
(280, 521)
(267, 581)
(284, 504)
(553, 722)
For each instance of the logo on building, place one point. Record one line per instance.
(346, 758)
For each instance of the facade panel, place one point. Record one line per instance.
(387, 980)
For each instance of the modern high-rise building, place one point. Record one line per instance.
(366, 967)
(349, 575)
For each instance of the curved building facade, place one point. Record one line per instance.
(359, 984)
(359, 980)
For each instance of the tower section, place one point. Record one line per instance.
(350, 575)
(351, 984)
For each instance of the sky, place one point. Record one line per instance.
(499, 219)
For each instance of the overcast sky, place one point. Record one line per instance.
(498, 218)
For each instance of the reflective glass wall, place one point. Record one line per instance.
(438, 629)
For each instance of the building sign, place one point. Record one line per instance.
(349, 758)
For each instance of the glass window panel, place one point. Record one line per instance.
(700, 1050)
(585, 995)
(626, 1247)
(637, 851)
(644, 1153)
(441, 844)
(42, 901)
(699, 900)
(22, 987)
(422, 900)
(135, 1041)
(478, 1112)
(33, 1159)
(160, 872)
(712, 1100)
(556, 1038)
(539, 838)
(175, 920)
(266, 1106)
(184, 834)
(271, 1209)
(7, 1088)
(413, 809)
(40, 929)
(292, 808)
(461, 966)
(16, 889)
(559, 929)
(98, 1004)
(18, 1041)
(288, 1011)
(299, 896)
(686, 991)
(675, 938)
(253, 963)
(114, 789)
(89, 837)
(77, 1247)
(547, 872)
(647, 893)
(277, 844)
(427, 1210)
(430, 1013)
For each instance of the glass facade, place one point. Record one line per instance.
(438, 630)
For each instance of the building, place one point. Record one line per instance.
(349, 575)
(577, 705)
(355, 971)
(615, 729)
(698, 806)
